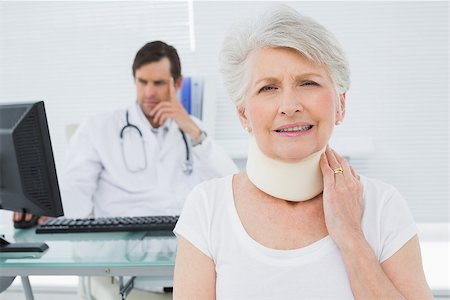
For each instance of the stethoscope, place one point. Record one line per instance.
(187, 165)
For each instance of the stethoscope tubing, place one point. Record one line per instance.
(187, 164)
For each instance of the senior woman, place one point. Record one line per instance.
(299, 223)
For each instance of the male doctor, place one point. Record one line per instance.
(143, 160)
(135, 161)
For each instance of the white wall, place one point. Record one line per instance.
(77, 57)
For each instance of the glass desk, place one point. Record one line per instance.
(92, 254)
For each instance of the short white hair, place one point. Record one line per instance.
(280, 27)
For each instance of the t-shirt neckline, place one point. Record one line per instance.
(305, 254)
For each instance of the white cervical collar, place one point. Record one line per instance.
(298, 181)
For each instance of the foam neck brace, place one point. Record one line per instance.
(299, 181)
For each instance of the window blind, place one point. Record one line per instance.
(77, 57)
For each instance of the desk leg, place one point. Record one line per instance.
(126, 289)
(27, 288)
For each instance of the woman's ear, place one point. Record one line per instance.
(243, 117)
(341, 108)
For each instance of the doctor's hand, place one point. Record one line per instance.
(343, 200)
(28, 220)
(173, 109)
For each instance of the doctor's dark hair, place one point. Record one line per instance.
(155, 51)
(281, 27)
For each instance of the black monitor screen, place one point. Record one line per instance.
(28, 181)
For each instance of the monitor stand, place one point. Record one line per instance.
(6, 246)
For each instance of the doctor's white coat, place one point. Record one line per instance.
(96, 179)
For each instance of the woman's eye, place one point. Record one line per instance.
(308, 83)
(267, 88)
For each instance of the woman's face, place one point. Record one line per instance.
(291, 105)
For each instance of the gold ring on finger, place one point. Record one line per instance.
(338, 170)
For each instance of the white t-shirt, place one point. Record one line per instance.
(248, 270)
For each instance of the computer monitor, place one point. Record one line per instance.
(28, 181)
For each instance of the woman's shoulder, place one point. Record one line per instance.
(375, 188)
(387, 221)
(381, 199)
(215, 186)
(207, 199)
(210, 195)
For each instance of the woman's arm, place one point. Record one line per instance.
(399, 277)
(405, 271)
(195, 275)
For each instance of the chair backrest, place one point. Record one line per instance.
(191, 95)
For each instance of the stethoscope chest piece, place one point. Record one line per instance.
(187, 167)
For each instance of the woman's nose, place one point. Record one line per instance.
(290, 104)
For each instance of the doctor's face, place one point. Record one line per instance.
(291, 105)
(152, 84)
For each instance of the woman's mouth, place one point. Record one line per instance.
(295, 130)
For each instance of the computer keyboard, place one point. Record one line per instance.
(108, 224)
